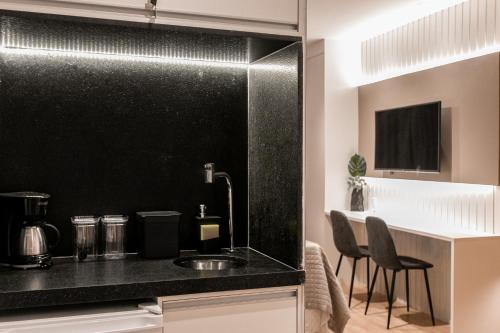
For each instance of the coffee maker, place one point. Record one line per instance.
(23, 243)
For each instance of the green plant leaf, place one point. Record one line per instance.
(357, 166)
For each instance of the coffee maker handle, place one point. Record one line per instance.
(58, 235)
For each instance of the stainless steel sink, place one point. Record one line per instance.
(210, 262)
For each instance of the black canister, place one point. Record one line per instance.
(158, 234)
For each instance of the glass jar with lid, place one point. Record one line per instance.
(114, 234)
(85, 233)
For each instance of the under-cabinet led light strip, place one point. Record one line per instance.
(119, 57)
(158, 49)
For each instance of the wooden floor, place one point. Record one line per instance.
(376, 320)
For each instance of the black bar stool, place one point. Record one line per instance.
(384, 254)
(345, 242)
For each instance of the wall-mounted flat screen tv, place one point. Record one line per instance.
(408, 138)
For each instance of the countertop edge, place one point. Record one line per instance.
(144, 290)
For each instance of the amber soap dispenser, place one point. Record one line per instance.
(208, 232)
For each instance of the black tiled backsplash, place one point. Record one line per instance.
(108, 134)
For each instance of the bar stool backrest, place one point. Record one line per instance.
(343, 235)
(381, 244)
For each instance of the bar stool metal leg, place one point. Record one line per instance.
(352, 279)
(391, 297)
(386, 285)
(368, 274)
(407, 278)
(370, 292)
(429, 297)
(338, 265)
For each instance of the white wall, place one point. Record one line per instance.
(341, 120)
(331, 137)
(317, 226)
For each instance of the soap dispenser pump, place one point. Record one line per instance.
(208, 232)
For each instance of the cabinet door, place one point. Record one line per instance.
(71, 321)
(123, 10)
(274, 11)
(135, 4)
(245, 315)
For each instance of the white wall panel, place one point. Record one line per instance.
(466, 206)
(490, 22)
(465, 30)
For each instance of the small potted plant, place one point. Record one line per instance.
(357, 169)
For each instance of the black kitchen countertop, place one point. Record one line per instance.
(69, 282)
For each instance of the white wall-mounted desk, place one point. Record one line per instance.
(465, 280)
(446, 232)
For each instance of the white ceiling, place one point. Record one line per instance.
(362, 19)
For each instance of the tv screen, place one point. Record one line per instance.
(408, 138)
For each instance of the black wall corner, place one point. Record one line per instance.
(275, 155)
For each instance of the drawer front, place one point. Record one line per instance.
(264, 313)
(139, 321)
(140, 4)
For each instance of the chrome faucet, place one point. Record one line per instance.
(209, 175)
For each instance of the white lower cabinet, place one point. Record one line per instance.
(91, 319)
(262, 311)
